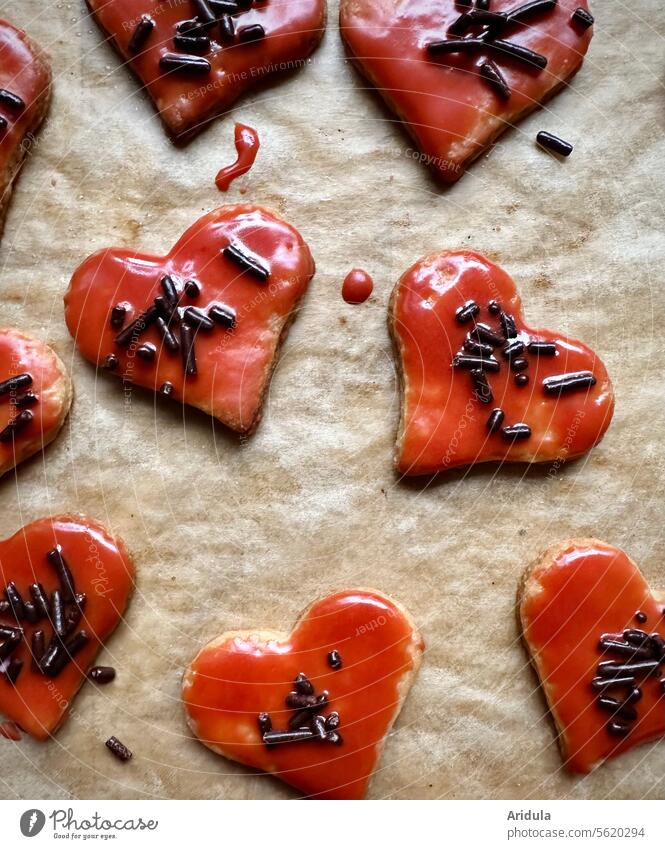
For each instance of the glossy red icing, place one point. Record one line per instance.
(575, 593)
(449, 109)
(25, 73)
(23, 354)
(102, 570)
(185, 103)
(241, 674)
(247, 144)
(443, 425)
(234, 366)
(357, 286)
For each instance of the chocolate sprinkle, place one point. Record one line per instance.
(529, 10)
(111, 362)
(521, 379)
(141, 34)
(40, 599)
(3, 123)
(185, 63)
(31, 612)
(601, 683)
(10, 638)
(275, 737)
(494, 307)
(58, 613)
(264, 723)
(554, 143)
(466, 361)
(37, 648)
(170, 340)
(147, 352)
(132, 332)
(14, 670)
(332, 721)
(519, 364)
(611, 669)
(561, 383)
(542, 349)
(18, 381)
(57, 560)
(491, 72)
(27, 399)
(192, 44)
(59, 654)
(12, 100)
(118, 314)
(583, 18)
(303, 685)
(15, 600)
(192, 289)
(513, 349)
(454, 45)
(237, 254)
(618, 729)
(170, 291)
(16, 426)
(484, 333)
(203, 12)
(255, 32)
(223, 315)
(479, 348)
(334, 659)
(483, 390)
(516, 431)
(508, 325)
(166, 389)
(118, 749)
(197, 318)
(516, 51)
(187, 350)
(495, 420)
(640, 616)
(102, 674)
(227, 28)
(467, 312)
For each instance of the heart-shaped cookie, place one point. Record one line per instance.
(459, 76)
(35, 395)
(196, 57)
(477, 383)
(204, 323)
(64, 585)
(314, 706)
(25, 93)
(596, 636)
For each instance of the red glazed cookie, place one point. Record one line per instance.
(204, 323)
(64, 585)
(314, 706)
(595, 633)
(35, 395)
(196, 57)
(457, 76)
(477, 383)
(25, 93)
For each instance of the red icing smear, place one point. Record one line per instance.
(357, 286)
(247, 144)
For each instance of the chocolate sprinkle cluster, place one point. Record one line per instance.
(20, 398)
(212, 21)
(479, 30)
(639, 656)
(177, 322)
(308, 721)
(63, 610)
(14, 104)
(478, 357)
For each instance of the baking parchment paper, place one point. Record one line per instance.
(230, 533)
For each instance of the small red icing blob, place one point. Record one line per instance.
(357, 286)
(247, 144)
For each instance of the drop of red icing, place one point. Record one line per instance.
(357, 286)
(247, 144)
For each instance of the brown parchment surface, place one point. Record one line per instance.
(231, 534)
